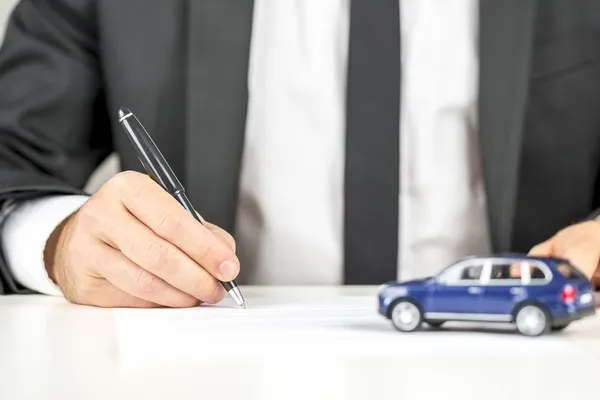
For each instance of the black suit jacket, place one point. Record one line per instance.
(181, 66)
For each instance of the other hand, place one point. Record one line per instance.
(578, 243)
(133, 245)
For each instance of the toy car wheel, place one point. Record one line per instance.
(559, 327)
(532, 320)
(406, 316)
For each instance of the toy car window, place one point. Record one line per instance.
(502, 271)
(505, 273)
(569, 272)
(510, 272)
(460, 273)
(472, 272)
(537, 274)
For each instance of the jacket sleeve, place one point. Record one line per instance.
(54, 128)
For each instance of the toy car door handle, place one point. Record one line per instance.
(516, 290)
(474, 290)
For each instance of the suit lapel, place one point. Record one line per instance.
(506, 34)
(218, 49)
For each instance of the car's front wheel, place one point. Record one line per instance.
(406, 316)
(532, 320)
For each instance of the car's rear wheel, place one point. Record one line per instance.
(532, 320)
(406, 316)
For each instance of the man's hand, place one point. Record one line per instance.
(133, 245)
(579, 243)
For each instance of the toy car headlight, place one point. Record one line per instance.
(381, 288)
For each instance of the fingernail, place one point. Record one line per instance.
(228, 270)
(220, 294)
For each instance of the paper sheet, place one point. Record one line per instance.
(338, 327)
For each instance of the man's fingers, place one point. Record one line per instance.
(111, 297)
(158, 210)
(596, 279)
(543, 249)
(125, 275)
(222, 234)
(219, 232)
(576, 249)
(98, 292)
(166, 261)
(584, 258)
(579, 244)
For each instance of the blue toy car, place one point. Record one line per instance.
(537, 294)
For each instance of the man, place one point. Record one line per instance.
(340, 141)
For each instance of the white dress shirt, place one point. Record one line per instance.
(290, 213)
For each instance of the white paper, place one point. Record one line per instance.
(333, 327)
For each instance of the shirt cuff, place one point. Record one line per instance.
(25, 233)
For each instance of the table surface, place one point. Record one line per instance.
(50, 349)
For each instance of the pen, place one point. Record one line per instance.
(156, 166)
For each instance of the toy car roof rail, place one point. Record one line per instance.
(522, 256)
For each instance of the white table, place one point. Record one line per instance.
(50, 349)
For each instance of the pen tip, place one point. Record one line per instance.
(244, 306)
